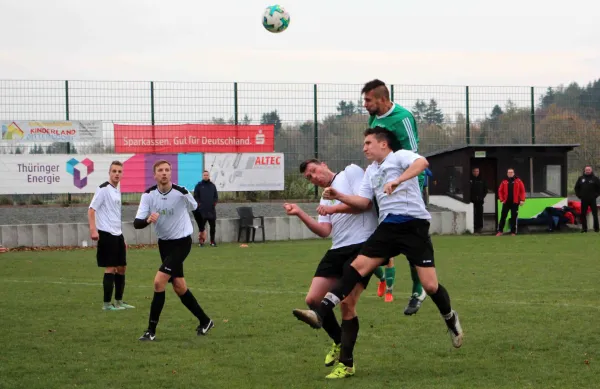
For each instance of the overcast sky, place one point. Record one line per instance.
(433, 42)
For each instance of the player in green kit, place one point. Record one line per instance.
(391, 116)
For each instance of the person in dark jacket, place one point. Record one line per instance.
(206, 196)
(512, 195)
(587, 189)
(478, 192)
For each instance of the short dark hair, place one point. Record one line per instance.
(115, 163)
(379, 88)
(381, 134)
(205, 171)
(305, 164)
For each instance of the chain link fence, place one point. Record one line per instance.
(311, 120)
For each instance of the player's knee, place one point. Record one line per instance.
(159, 284)
(179, 289)
(179, 286)
(121, 270)
(110, 270)
(430, 285)
(363, 265)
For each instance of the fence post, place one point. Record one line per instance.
(152, 114)
(235, 104)
(239, 195)
(468, 121)
(67, 118)
(392, 92)
(316, 130)
(532, 115)
(152, 105)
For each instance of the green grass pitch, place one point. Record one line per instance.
(529, 306)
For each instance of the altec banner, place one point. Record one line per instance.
(45, 174)
(182, 138)
(246, 172)
(50, 131)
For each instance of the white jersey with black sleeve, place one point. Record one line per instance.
(406, 199)
(107, 204)
(349, 229)
(173, 208)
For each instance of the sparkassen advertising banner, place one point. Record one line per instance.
(50, 131)
(246, 172)
(46, 174)
(191, 138)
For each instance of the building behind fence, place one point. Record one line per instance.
(321, 120)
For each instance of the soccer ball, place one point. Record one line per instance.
(276, 19)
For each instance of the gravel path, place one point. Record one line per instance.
(78, 214)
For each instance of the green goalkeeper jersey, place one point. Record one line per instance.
(402, 123)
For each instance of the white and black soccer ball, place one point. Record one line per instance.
(276, 19)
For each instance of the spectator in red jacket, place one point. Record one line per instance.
(512, 195)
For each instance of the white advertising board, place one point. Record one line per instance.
(42, 174)
(240, 172)
(50, 131)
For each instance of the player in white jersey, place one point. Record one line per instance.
(104, 218)
(168, 206)
(403, 228)
(349, 229)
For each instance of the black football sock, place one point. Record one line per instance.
(330, 325)
(349, 335)
(442, 300)
(108, 283)
(191, 303)
(158, 302)
(119, 286)
(339, 292)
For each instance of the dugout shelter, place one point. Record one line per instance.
(543, 169)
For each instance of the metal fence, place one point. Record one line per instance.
(311, 120)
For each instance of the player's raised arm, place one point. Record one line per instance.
(322, 227)
(361, 200)
(354, 174)
(191, 202)
(353, 201)
(413, 165)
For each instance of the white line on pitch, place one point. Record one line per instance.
(289, 292)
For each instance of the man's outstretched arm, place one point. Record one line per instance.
(322, 229)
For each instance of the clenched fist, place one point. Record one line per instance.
(325, 210)
(390, 187)
(330, 194)
(153, 218)
(291, 209)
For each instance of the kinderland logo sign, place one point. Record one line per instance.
(80, 171)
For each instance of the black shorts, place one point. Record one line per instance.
(410, 238)
(111, 250)
(172, 254)
(333, 263)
